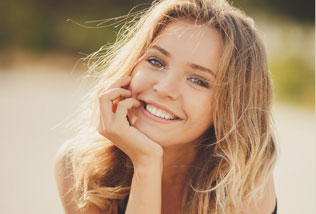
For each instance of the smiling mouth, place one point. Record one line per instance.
(159, 112)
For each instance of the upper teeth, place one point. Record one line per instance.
(159, 112)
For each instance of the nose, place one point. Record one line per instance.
(168, 85)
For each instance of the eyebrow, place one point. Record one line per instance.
(192, 65)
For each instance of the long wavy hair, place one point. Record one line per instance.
(239, 152)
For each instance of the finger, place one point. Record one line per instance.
(122, 82)
(106, 104)
(114, 93)
(123, 107)
(119, 83)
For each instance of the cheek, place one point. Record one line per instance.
(140, 82)
(200, 109)
(136, 83)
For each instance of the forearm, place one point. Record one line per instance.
(145, 195)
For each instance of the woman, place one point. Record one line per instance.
(179, 121)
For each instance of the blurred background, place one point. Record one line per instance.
(42, 84)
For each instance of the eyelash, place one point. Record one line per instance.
(199, 82)
(194, 80)
(153, 62)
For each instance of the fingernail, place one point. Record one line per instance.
(133, 120)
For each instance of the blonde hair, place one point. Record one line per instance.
(239, 152)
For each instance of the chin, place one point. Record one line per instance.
(154, 134)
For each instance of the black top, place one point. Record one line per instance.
(276, 207)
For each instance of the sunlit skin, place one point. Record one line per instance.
(176, 72)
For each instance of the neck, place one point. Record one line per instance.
(176, 161)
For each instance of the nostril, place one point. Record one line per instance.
(167, 89)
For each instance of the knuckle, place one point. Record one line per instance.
(116, 83)
(121, 104)
(101, 96)
(126, 102)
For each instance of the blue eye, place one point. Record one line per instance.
(156, 63)
(199, 82)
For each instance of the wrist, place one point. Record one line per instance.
(149, 165)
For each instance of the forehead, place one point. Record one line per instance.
(187, 41)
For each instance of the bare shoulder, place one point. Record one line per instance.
(267, 204)
(64, 181)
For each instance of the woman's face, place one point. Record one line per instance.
(173, 80)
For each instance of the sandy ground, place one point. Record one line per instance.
(34, 100)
